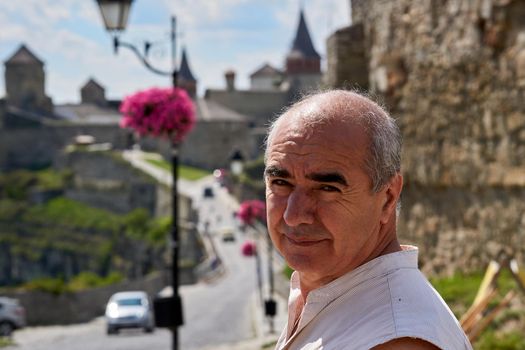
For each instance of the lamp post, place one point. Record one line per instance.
(236, 168)
(168, 310)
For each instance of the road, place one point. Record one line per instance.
(217, 312)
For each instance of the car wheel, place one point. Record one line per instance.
(112, 330)
(148, 330)
(6, 328)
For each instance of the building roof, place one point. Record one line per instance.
(184, 70)
(87, 113)
(92, 82)
(23, 56)
(208, 110)
(265, 71)
(302, 43)
(262, 105)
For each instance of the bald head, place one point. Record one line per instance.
(383, 158)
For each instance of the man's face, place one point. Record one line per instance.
(322, 215)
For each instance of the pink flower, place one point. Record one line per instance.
(251, 210)
(249, 248)
(160, 112)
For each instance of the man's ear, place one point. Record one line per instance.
(392, 191)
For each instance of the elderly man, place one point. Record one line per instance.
(333, 182)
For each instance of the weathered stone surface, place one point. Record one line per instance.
(453, 74)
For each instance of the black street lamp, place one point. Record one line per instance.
(236, 169)
(168, 310)
(115, 14)
(237, 163)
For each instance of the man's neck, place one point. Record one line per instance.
(307, 283)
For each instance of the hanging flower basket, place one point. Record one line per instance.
(159, 112)
(251, 210)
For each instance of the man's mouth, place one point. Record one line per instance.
(303, 242)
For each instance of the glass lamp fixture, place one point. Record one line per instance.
(115, 13)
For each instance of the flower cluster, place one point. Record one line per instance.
(161, 112)
(249, 248)
(251, 210)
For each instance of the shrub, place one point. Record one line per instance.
(47, 284)
(88, 279)
(506, 341)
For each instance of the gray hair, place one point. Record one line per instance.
(384, 160)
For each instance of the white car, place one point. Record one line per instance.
(12, 316)
(129, 310)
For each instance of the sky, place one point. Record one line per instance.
(69, 37)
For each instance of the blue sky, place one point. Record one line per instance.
(68, 35)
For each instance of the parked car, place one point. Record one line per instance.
(129, 310)
(12, 316)
(227, 235)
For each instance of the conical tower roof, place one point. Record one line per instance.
(23, 56)
(302, 43)
(184, 70)
(92, 83)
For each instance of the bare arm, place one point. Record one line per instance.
(406, 344)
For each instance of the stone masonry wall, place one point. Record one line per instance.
(37, 147)
(77, 307)
(453, 73)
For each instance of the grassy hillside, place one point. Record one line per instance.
(62, 238)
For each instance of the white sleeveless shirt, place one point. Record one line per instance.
(384, 299)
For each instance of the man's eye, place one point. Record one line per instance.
(279, 182)
(328, 188)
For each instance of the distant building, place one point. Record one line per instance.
(266, 78)
(185, 78)
(228, 120)
(272, 89)
(303, 63)
(92, 92)
(25, 82)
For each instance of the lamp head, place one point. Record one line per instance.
(115, 13)
(237, 163)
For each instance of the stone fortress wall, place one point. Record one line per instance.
(453, 74)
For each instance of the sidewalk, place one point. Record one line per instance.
(138, 159)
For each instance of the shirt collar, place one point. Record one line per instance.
(384, 264)
(381, 265)
(319, 298)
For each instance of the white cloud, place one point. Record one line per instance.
(193, 12)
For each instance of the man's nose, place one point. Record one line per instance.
(300, 208)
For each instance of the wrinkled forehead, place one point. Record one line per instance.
(320, 139)
(314, 124)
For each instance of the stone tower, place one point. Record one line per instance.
(25, 82)
(453, 75)
(303, 63)
(185, 78)
(94, 93)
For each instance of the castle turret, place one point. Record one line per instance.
(94, 93)
(25, 82)
(303, 58)
(303, 63)
(185, 78)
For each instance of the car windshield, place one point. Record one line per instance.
(129, 302)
